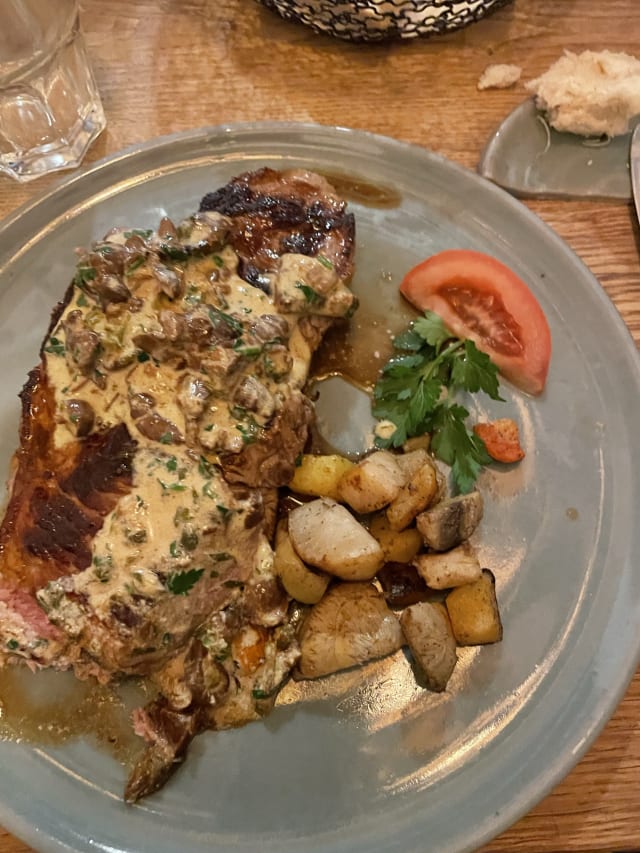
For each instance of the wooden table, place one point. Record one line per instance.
(170, 65)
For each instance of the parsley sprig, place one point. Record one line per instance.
(416, 393)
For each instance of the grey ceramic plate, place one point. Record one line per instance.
(366, 761)
(532, 161)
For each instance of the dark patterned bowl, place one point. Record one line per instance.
(375, 20)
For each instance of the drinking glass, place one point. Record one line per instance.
(50, 109)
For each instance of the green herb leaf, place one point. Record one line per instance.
(83, 275)
(311, 296)
(145, 233)
(216, 316)
(432, 329)
(55, 346)
(180, 583)
(134, 265)
(474, 371)
(415, 391)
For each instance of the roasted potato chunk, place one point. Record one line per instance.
(319, 475)
(326, 535)
(427, 630)
(474, 614)
(445, 569)
(411, 461)
(399, 546)
(299, 581)
(413, 498)
(372, 483)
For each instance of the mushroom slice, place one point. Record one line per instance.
(449, 568)
(349, 626)
(373, 483)
(326, 535)
(450, 522)
(428, 632)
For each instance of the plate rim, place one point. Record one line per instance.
(606, 707)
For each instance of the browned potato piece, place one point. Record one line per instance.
(399, 546)
(474, 614)
(412, 461)
(413, 498)
(351, 625)
(428, 632)
(326, 535)
(299, 581)
(450, 522)
(417, 442)
(319, 475)
(373, 483)
(442, 570)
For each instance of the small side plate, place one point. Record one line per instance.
(532, 162)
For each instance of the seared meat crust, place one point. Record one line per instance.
(276, 212)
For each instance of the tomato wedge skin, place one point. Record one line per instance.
(480, 298)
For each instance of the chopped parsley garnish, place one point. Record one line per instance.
(175, 550)
(208, 490)
(416, 389)
(134, 265)
(166, 438)
(142, 356)
(325, 262)
(248, 431)
(217, 260)
(176, 253)
(13, 644)
(83, 275)
(180, 583)
(223, 510)
(81, 301)
(55, 346)
(171, 487)
(171, 463)
(206, 468)
(247, 350)
(145, 233)
(311, 296)
(216, 316)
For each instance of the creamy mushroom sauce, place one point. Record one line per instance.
(163, 335)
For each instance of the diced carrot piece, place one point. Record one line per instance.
(502, 439)
(248, 648)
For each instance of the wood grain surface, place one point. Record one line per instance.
(170, 65)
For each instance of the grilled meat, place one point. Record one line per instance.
(167, 408)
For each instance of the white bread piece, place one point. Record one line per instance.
(499, 76)
(591, 94)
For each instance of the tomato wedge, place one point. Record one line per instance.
(480, 298)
